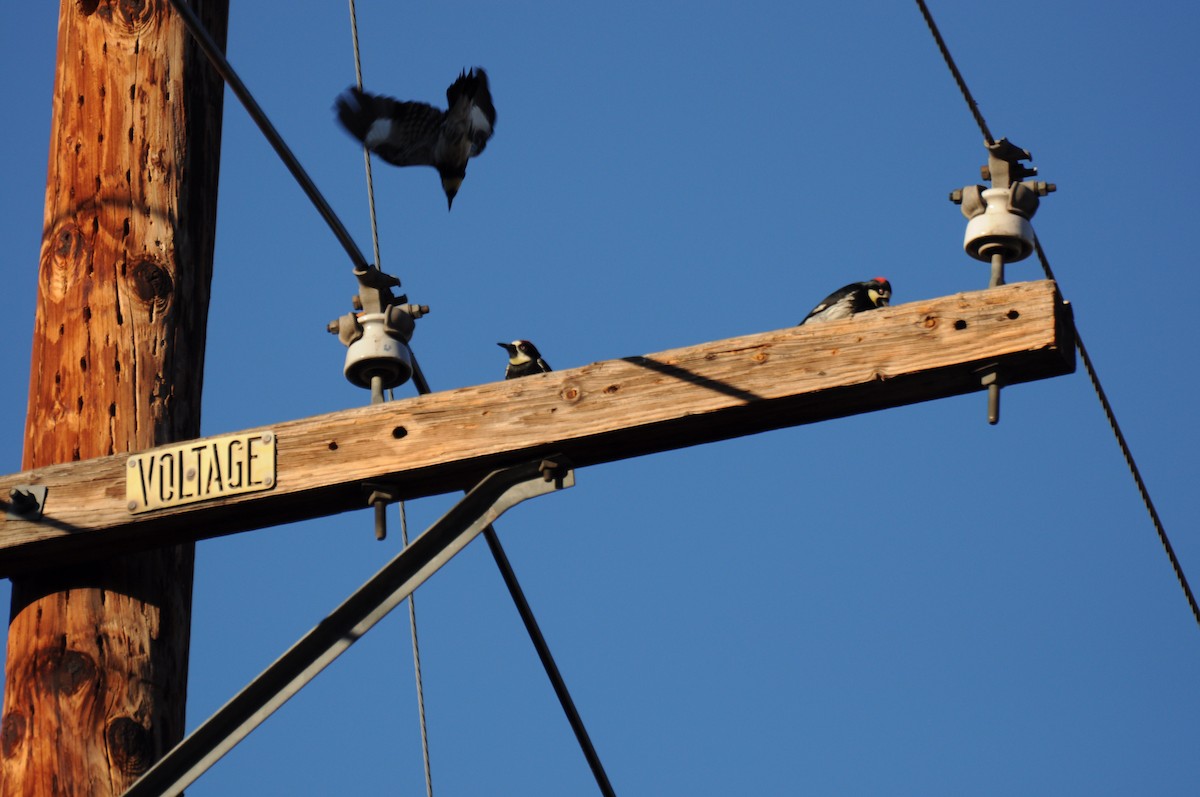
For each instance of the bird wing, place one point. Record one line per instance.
(470, 103)
(402, 133)
(838, 304)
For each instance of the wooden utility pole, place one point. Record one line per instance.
(97, 653)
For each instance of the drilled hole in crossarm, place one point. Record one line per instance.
(960, 324)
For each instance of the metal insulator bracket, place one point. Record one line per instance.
(998, 217)
(26, 501)
(376, 338)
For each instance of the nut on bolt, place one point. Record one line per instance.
(549, 469)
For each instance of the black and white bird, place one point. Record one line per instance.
(417, 134)
(523, 359)
(854, 298)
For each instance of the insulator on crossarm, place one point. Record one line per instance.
(998, 217)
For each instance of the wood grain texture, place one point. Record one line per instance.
(601, 412)
(97, 654)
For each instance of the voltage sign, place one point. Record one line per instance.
(199, 471)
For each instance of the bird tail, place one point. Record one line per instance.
(356, 111)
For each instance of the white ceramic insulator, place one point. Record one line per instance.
(377, 353)
(998, 229)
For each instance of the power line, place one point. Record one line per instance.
(1088, 366)
(547, 658)
(366, 152)
(416, 649)
(958, 78)
(225, 70)
(493, 540)
(412, 603)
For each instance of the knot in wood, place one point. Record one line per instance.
(129, 745)
(62, 259)
(12, 733)
(930, 322)
(571, 393)
(136, 14)
(151, 282)
(132, 15)
(66, 671)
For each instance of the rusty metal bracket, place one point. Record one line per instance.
(26, 501)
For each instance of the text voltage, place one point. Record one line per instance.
(199, 471)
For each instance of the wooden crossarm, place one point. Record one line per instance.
(601, 412)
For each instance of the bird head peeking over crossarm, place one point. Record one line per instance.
(524, 359)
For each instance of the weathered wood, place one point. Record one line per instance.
(600, 412)
(97, 654)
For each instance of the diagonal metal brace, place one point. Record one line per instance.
(221, 732)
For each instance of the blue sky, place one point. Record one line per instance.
(907, 602)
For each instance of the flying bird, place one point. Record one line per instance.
(417, 134)
(523, 359)
(856, 297)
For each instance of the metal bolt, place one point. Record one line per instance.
(381, 520)
(132, 505)
(267, 438)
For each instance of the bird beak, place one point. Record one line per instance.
(451, 185)
(508, 347)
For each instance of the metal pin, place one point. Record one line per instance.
(379, 497)
(991, 380)
(381, 520)
(997, 270)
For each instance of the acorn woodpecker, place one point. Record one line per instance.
(854, 298)
(417, 134)
(523, 359)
